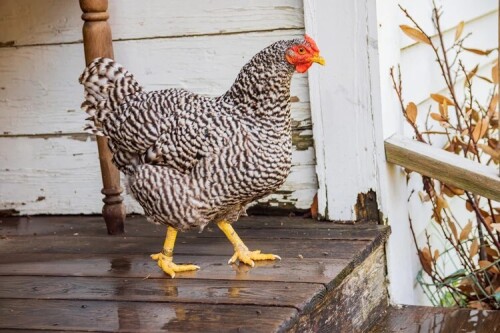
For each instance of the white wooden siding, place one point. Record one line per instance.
(419, 80)
(47, 166)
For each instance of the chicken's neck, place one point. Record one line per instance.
(261, 91)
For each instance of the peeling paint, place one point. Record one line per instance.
(8, 212)
(302, 141)
(366, 208)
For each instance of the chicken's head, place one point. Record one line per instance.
(303, 54)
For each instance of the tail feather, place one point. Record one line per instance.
(107, 84)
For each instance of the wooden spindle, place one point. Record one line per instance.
(97, 42)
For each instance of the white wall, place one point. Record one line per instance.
(47, 165)
(419, 80)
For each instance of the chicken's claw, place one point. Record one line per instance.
(244, 255)
(166, 264)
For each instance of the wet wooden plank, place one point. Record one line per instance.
(286, 248)
(419, 319)
(295, 295)
(141, 266)
(106, 316)
(247, 227)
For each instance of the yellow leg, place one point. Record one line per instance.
(164, 258)
(241, 252)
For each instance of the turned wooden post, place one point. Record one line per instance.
(97, 42)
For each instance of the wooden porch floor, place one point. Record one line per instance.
(66, 273)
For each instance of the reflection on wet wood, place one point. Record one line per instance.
(159, 290)
(286, 248)
(103, 316)
(420, 319)
(64, 273)
(141, 266)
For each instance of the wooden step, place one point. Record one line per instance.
(65, 273)
(422, 319)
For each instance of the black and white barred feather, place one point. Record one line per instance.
(191, 159)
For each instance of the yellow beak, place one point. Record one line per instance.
(318, 59)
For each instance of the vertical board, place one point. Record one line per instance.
(343, 104)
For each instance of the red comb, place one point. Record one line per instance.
(311, 42)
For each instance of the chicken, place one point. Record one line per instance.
(191, 159)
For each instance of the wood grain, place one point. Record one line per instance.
(45, 95)
(141, 266)
(97, 43)
(138, 20)
(266, 293)
(286, 248)
(58, 175)
(247, 227)
(359, 300)
(444, 166)
(62, 282)
(58, 157)
(103, 316)
(416, 319)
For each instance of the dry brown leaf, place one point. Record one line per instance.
(480, 129)
(485, 78)
(468, 205)
(471, 74)
(478, 51)
(415, 34)
(491, 252)
(426, 260)
(494, 72)
(458, 31)
(495, 226)
(493, 143)
(494, 153)
(478, 305)
(440, 99)
(484, 264)
(441, 203)
(446, 190)
(474, 248)
(436, 254)
(492, 108)
(411, 112)
(453, 228)
(456, 190)
(465, 231)
(443, 110)
(437, 117)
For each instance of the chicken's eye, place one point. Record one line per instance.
(301, 50)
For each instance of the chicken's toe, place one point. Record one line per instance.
(244, 255)
(169, 267)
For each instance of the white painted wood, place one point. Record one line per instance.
(454, 11)
(342, 105)
(394, 48)
(28, 22)
(418, 63)
(60, 175)
(45, 97)
(444, 166)
(399, 246)
(165, 44)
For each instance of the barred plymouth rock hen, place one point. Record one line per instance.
(190, 159)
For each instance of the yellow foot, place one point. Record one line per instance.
(243, 254)
(169, 267)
